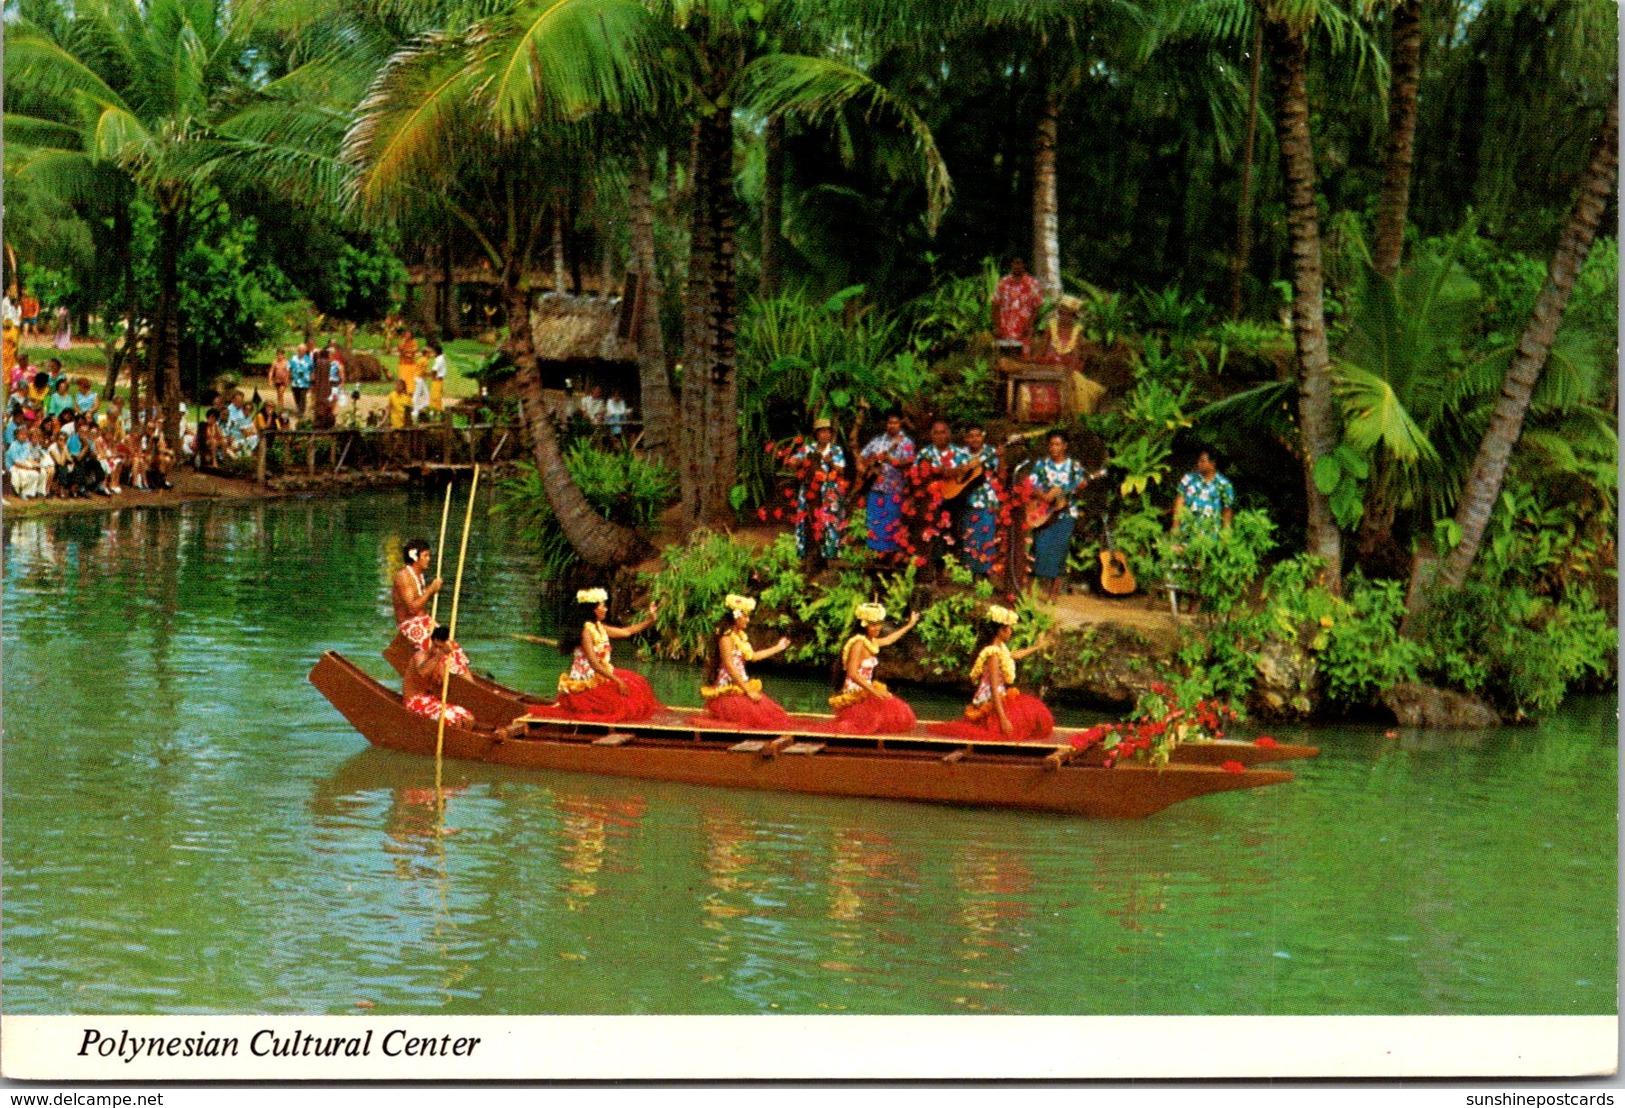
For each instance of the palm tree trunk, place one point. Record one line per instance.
(773, 207)
(117, 355)
(654, 379)
(1406, 63)
(1046, 215)
(1484, 481)
(163, 354)
(1244, 206)
(558, 249)
(599, 542)
(1317, 426)
(710, 433)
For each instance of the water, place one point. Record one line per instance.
(191, 828)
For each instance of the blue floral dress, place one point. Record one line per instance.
(884, 506)
(980, 525)
(820, 498)
(1051, 541)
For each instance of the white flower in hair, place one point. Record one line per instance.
(1002, 615)
(870, 613)
(592, 596)
(744, 605)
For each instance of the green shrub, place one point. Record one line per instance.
(690, 587)
(620, 486)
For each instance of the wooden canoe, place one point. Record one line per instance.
(1036, 776)
(496, 705)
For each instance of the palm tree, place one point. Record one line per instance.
(1405, 64)
(140, 89)
(1483, 487)
(1287, 26)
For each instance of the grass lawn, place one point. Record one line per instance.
(79, 360)
(463, 356)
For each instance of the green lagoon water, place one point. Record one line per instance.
(190, 828)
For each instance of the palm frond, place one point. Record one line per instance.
(818, 90)
(1265, 408)
(42, 65)
(1373, 413)
(560, 59)
(31, 131)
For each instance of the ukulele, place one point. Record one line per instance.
(1115, 577)
(1042, 510)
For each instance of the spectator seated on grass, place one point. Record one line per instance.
(85, 402)
(60, 400)
(27, 465)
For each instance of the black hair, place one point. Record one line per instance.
(985, 635)
(942, 421)
(1057, 433)
(441, 633)
(713, 650)
(407, 551)
(1212, 455)
(41, 379)
(570, 626)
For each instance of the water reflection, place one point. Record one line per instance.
(191, 828)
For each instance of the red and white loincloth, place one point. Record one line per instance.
(418, 628)
(425, 705)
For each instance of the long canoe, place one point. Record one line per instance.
(496, 705)
(1035, 776)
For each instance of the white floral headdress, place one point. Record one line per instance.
(592, 596)
(1002, 615)
(742, 605)
(870, 612)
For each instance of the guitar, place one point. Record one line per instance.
(1042, 511)
(952, 490)
(1115, 577)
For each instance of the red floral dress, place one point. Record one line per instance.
(586, 694)
(728, 703)
(1015, 307)
(857, 712)
(1030, 720)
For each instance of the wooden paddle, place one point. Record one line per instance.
(456, 596)
(440, 552)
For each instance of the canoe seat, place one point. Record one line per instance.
(957, 755)
(804, 748)
(614, 738)
(749, 746)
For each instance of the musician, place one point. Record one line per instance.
(998, 710)
(735, 698)
(821, 493)
(865, 706)
(937, 508)
(424, 678)
(1015, 305)
(1205, 497)
(979, 517)
(593, 688)
(887, 456)
(413, 591)
(1057, 480)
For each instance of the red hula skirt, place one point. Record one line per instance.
(738, 710)
(874, 716)
(1030, 722)
(603, 703)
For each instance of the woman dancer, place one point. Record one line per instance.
(736, 698)
(998, 711)
(594, 689)
(865, 706)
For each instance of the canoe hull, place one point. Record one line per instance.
(1021, 779)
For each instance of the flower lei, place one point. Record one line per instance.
(1162, 726)
(1006, 663)
(1055, 343)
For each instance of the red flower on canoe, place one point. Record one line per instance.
(1233, 767)
(1266, 742)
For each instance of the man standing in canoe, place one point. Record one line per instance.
(413, 591)
(425, 677)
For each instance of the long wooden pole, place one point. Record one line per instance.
(456, 595)
(440, 552)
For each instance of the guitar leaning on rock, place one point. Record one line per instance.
(1115, 576)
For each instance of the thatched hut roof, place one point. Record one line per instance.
(578, 328)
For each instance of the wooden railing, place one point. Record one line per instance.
(373, 448)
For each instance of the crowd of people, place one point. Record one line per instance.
(63, 442)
